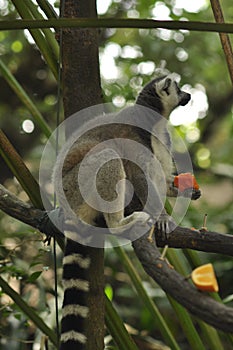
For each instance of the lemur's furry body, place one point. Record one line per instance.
(161, 96)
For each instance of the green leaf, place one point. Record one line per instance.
(19, 169)
(34, 276)
(48, 34)
(109, 291)
(18, 316)
(28, 311)
(117, 328)
(39, 37)
(148, 302)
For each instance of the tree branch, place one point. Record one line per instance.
(116, 23)
(202, 240)
(30, 215)
(206, 241)
(198, 303)
(225, 40)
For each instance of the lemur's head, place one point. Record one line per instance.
(163, 95)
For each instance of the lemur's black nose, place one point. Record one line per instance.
(184, 98)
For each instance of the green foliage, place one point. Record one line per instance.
(131, 56)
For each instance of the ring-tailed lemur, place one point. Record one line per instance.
(160, 96)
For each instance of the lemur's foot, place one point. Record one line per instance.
(137, 220)
(165, 224)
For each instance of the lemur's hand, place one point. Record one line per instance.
(191, 193)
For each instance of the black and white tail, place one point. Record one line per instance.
(76, 263)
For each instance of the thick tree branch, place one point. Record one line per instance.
(18, 209)
(198, 303)
(206, 241)
(28, 214)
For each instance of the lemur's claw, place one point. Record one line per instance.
(165, 224)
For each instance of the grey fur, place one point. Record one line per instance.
(161, 96)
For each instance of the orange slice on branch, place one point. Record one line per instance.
(204, 278)
(184, 181)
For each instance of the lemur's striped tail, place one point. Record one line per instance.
(76, 287)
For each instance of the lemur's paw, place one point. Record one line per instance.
(191, 193)
(136, 221)
(141, 217)
(196, 194)
(165, 225)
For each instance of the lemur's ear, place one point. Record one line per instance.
(163, 85)
(167, 84)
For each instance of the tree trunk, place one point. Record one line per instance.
(81, 89)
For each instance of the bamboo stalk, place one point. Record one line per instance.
(19, 169)
(49, 35)
(38, 36)
(25, 99)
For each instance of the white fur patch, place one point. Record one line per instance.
(171, 100)
(74, 309)
(72, 335)
(76, 283)
(77, 259)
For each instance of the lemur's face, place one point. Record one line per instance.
(170, 94)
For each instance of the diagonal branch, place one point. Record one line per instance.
(178, 287)
(225, 40)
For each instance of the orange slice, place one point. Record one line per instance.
(184, 181)
(204, 278)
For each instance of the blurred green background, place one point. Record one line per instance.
(129, 58)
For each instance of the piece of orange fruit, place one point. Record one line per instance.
(184, 181)
(204, 278)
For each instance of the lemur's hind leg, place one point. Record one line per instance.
(112, 188)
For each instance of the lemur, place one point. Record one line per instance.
(158, 98)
